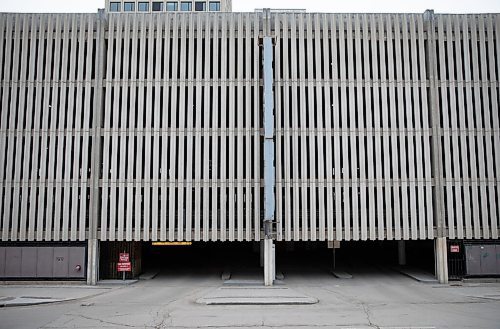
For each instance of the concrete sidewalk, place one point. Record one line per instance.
(25, 295)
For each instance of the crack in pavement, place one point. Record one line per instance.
(162, 324)
(167, 315)
(364, 306)
(366, 309)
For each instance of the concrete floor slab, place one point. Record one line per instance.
(373, 298)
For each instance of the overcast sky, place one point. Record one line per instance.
(334, 6)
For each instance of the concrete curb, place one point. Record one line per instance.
(481, 280)
(256, 296)
(38, 301)
(149, 275)
(417, 275)
(116, 282)
(258, 301)
(341, 274)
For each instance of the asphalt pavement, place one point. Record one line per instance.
(372, 298)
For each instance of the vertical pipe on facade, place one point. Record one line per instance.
(437, 166)
(93, 258)
(269, 170)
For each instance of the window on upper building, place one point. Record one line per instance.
(143, 6)
(214, 6)
(157, 6)
(200, 6)
(114, 7)
(172, 6)
(129, 6)
(186, 6)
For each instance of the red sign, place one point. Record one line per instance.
(455, 249)
(124, 257)
(125, 267)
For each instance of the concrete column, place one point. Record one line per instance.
(93, 242)
(274, 262)
(269, 152)
(441, 260)
(334, 259)
(402, 252)
(269, 265)
(93, 262)
(261, 253)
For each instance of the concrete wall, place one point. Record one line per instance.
(42, 262)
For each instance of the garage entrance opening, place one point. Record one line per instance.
(354, 257)
(197, 258)
(200, 257)
(243, 259)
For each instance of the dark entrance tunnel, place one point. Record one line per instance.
(201, 256)
(240, 257)
(354, 256)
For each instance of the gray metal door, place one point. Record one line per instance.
(60, 262)
(77, 259)
(43, 262)
(498, 258)
(488, 259)
(473, 260)
(44, 266)
(2, 262)
(13, 262)
(28, 262)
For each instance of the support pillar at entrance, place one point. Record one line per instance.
(441, 259)
(92, 262)
(334, 245)
(269, 262)
(261, 251)
(401, 253)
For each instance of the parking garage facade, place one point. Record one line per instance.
(119, 130)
